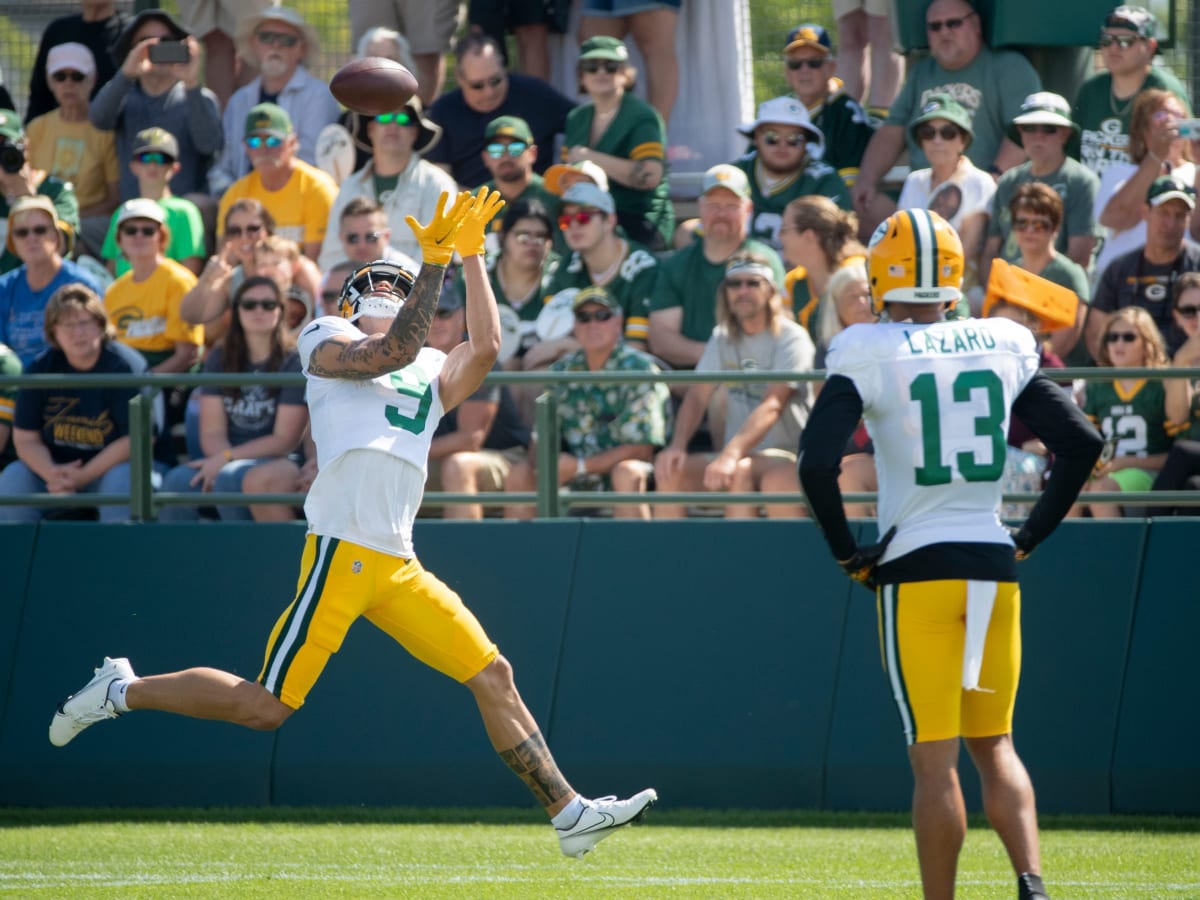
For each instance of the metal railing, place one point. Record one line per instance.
(550, 499)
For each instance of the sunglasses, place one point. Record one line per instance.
(267, 305)
(1188, 312)
(153, 158)
(277, 39)
(398, 118)
(736, 284)
(494, 81)
(953, 24)
(369, 237)
(1127, 336)
(499, 151)
(39, 230)
(1041, 226)
(581, 217)
(531, 237)
(444, 313)
(135, 230)
(946, 133)
(592, 66)
(772, 138)
(1039, 129)
(66, 75)
(258, 141)
(238, 230)
(1124, 41)
(600, 315)
(795, 64)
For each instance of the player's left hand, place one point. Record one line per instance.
(1023, 541)
(861, 566)
(473, 232)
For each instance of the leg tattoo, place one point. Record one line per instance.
(533, 764)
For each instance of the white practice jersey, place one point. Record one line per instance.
(936, 401)
(372, 440)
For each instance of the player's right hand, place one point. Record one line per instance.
(473, 233)
(861, 566)
(437, 238)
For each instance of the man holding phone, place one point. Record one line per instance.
(158, 86)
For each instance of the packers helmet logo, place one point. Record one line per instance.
(262, 121)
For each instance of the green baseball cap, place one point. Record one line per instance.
(10, 125)
(268, 118)
(943, 106)
(1168, 187)
(509, 127)
(595, 293)
(604, 48)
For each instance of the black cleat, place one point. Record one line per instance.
(1030, 887)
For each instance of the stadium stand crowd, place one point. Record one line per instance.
(216, 221)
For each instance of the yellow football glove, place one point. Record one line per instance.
(437, 238)
(472, 234)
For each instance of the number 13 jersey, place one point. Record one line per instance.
(936, 402)
(372, 438)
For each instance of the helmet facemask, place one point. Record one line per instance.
(377, 289)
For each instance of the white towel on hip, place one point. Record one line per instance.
(981, 597)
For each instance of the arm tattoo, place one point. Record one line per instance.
(379, 354)
(638, 175)
(533, 764)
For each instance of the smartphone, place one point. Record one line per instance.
(1189, 128)
(169, 52)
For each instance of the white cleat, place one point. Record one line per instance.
(90, 704)
(600, 818)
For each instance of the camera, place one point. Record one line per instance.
(12, 157)
(169, 52)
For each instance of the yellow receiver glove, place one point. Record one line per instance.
(437, 238)
(472, 234)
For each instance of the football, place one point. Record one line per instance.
(373, 85)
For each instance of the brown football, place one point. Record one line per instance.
(373, 85)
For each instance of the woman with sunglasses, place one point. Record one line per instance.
(1139, 417)
(1155, 148)
(952, 186)
(1181, 471)
(626, 137)
(1036, 214)
(247, 222)
(248, 434)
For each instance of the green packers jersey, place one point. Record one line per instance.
(633, 285)
(847, 129)
(535, 190)
(1136, 419)
(769, 202)
(10, 364)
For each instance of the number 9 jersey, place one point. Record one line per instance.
(372, 438)
(936, 401)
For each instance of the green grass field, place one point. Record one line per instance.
(502, 854)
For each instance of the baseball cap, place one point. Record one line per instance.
(1137, 19)
(140, 208)
(786, 111)
(150, 140)
(510, 127)
(809, 35)
(723, 175)
(451, 299)
(1168, 187)
(70, 55)
(268, 118)
(10, 125)
(604, 48)
(587, 194)
(943, 106)
(45, 204)
(595, 293)
(584, 169)
(1045, 108)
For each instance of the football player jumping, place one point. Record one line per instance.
(936, 396)
(375, 395)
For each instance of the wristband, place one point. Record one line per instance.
(580, 466)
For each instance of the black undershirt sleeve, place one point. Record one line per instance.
(1076, 444)
(830, 425)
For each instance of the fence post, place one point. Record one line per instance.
(141, 456)
(546, 422)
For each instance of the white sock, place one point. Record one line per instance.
(116, 693)
(569, 814)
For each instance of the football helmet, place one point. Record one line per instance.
(377, 288)
(914, 256)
